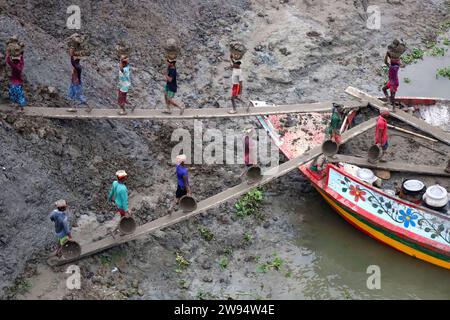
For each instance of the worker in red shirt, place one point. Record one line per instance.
(381, 136)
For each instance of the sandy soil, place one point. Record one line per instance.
(301, 50)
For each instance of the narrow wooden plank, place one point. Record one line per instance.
(207, 113)
(213, 201)
(401, 115)
(393, 166)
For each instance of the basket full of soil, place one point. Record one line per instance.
(237, 50)
(172, 49)
(396, 49)
(77, 43)
(15, 47)
(122, 49)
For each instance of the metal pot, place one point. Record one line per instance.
(436, 198)
(412, 190)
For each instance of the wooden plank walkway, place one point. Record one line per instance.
(393, 166)
(401, 115)
(207, 113)
(168, 220)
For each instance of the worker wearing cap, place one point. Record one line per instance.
(337, 116)
(124, 83)
(381, 135)
(119, 194)
(16, 93)
(236, 89)
(183, 187)
(171, 87)
(62, 229)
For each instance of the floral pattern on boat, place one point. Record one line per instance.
(397, 213)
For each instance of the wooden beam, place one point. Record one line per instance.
(402, 116)
(231, 193)
(207, 113)
(393, 166)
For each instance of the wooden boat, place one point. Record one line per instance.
(410, 228)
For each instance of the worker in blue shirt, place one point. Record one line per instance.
(62, 229)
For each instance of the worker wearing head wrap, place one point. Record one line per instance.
(119, 194)
(62, 229)
(183, 187)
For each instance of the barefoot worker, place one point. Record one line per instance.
(62, 229)
(76, 88)
(183, 187)
(119, 194)
(381, 135)
(171, 87)
(236, 89)
(333, 131)
(393, 62)
(16, 94)
(124, 83)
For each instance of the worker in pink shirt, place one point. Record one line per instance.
(381, 135)
(16, 94)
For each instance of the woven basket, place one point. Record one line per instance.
(122, 49)
(396, 51)
(172, 48)
(237, 50)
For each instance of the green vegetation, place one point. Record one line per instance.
(446, 42)
(383, 71)
(203, 295)
(110, 259)
(445, 26)
(206, 234)
(223, 263)
(183, 284)
(249, 204)
(407, 80)
(21, 286)
(437, 52)
(248, 237)
(274, 264)
(416, 54)
(181, 262)
(443, 72)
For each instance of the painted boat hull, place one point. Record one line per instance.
(383, 233)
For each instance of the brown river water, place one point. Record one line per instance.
(341, 255)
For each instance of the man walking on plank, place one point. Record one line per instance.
(62, 229)
(236, 89)
(76, 86)
(124, 84)
(183, 187)
(171, 87)
(119, 194)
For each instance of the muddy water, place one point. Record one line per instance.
(423, 78)
(341, 254)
